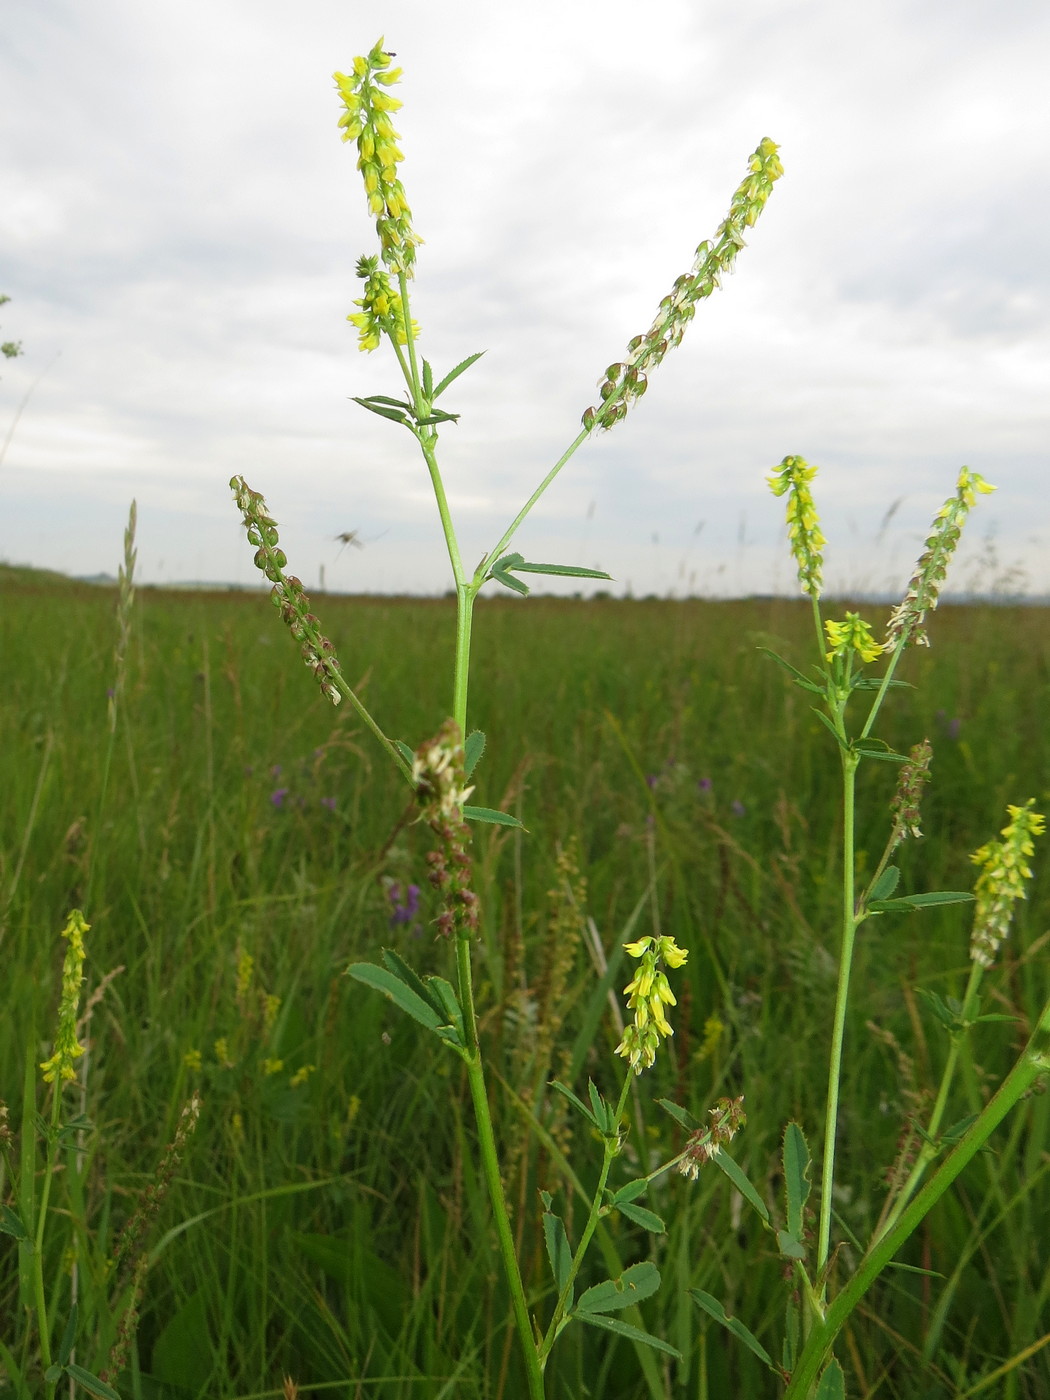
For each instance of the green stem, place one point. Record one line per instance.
(465, 595)
(1033, 1062)
(512, 528)
(880, 694)
(849, 930)
(412, 372)
(930, 1147)
(40, 1296)
(494, 1182)
(611, 1151)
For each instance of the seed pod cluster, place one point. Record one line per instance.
(437, 773)
(624, 382)
(288, 595)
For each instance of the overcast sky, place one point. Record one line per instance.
(179, 225)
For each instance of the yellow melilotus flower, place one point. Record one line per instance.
(854, 634)
(67, 1047)
(647, 995)
(366, 119)
(1004, 870)
(381, 308)
(792, 478)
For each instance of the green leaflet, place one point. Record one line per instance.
(907, 903)
(11, 1224)
(504, 568)
(631, 1191)
(567, 1093)
(492, 817)
(886, 883)
(875, 748)
(832, 1384)
(404, 995)
(725, 1163)
(714, 1309)
(624, 1329)
(681, 1116)
(638, 1282)
(454, 374)
(796, 676)
(90, 1383)
(647, 1219)
(472, 751)
(558, 1251)
(796, 1180)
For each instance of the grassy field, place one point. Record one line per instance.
(327, 1221)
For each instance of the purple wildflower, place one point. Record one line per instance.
(278, 795)
(328, 802)
(405, 904)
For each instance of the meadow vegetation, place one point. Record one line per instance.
(338, 1086)
(327, 1221)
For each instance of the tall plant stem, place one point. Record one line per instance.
(465, 595)
(1033, 1062)
(493, 1179)
(612, 1149)
(40, 1298)
(849, 931)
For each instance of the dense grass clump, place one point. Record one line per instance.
(327, 1221)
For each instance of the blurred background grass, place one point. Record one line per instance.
(328, 1222)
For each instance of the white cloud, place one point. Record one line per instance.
(181, 221)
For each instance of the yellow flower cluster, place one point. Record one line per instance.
(647, 995)
(854, 634)
(792, 478)
(1004, 869)
(367, 120)
(67, 1047)
(381, 309)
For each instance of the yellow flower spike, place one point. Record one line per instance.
(1001, 881)
(647, 995)
(382, 308)
(852, 634)
(792, 478)
(67, 1048)
(672, 955)
(366, 119)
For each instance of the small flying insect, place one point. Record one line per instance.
(353, 537)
